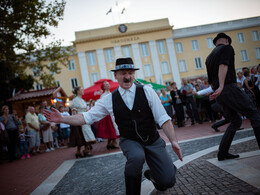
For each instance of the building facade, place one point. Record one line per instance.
(162, 54)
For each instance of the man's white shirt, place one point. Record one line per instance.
(104, 106)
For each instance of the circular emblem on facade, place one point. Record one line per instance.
(122, 28)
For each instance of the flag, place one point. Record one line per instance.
(123, 10)
(19, 92)
(109, 11)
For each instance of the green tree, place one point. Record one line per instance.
(23, 26)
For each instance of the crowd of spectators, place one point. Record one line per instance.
(187, 105)
(20, 138)
(29, 135)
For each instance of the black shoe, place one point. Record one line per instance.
(86, 154)
(200, 122)
(226, 156)
(78, 156)
(192, 123)
(148, 176)
(215, 128)
(114, 147)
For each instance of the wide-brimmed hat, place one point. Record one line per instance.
(124, 64)
(222, 35)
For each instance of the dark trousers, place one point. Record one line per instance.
(179, 114)
(161, 166)
(24, 148)
(192, 108)
(13, 144)
(206, 103)
(235, 101)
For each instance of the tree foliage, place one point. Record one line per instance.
(23, 26)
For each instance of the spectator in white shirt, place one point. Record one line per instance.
(240, 79)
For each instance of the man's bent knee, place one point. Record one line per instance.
(134, 165)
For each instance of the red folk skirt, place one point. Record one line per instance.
(106, 129)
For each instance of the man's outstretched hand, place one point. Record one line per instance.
(176, 148)
(52, 116)
(216, 93)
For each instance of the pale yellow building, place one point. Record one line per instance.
(193, 44)
(162, 54)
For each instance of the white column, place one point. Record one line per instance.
(173, 62)
(138, 61)
(118, 52)
(102, 64)
(156, 62)
(84, 69)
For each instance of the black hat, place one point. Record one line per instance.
(124, 64)
(222, 35)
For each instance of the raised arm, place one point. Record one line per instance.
(56, 117)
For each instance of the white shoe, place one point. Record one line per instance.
(99, 139)
(52, 149)
(48, 150)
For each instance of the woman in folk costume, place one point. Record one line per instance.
(107, 129)
(81, 107)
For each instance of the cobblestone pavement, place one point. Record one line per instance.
(24, 176)
(104, 175)
(202, 177)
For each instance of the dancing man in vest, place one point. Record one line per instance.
(136, 110)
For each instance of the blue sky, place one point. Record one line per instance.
(90, 14)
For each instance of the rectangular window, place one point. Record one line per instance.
(71, 65)
(257, 51)
(210, 42)
(255, 35)
(179, 48)
(198, 63)
(195, 45)
(161, 47)
(148, 72)
(127, 51)
(94, 77)
(182, 66)
(111, 75)
(57, 83)
(74, 82)
(91, 58)
(38, 87)
(165, 67)
(144, 49)
(240, 37)
(109, 55)
(52, 66)
(244, 55)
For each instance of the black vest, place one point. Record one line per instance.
(136, 124)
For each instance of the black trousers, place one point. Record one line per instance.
(235, 101)
(192, 108)
(179, 114)
(13, 143)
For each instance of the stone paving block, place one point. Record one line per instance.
(105, 175)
